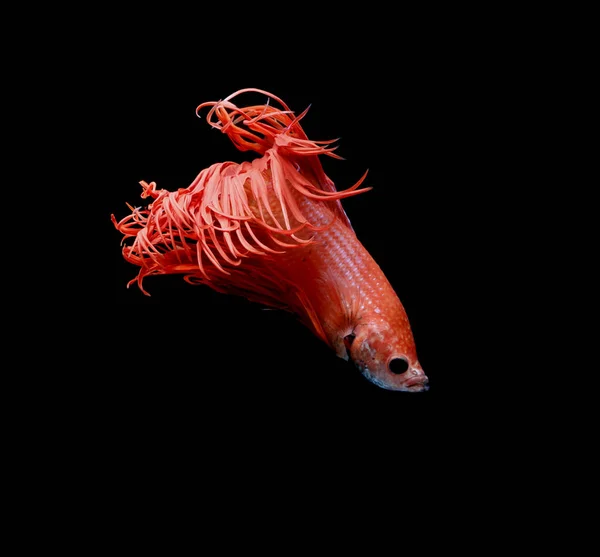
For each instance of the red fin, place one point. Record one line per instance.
(226, 227)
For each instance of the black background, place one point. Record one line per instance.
(190, 401)
(411, 105)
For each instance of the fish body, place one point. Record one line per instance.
(274, 230)
(353, 306)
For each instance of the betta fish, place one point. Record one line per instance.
(274, 231)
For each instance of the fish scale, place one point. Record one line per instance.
(356, 276)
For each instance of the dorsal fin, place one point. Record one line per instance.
(234, 212)
(259, 127)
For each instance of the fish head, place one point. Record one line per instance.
(385, 358)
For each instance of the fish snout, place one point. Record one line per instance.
(407, 377)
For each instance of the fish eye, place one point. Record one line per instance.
(398, 365)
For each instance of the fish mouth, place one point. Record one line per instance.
(417, 383)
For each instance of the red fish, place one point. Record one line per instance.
(274, 231)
